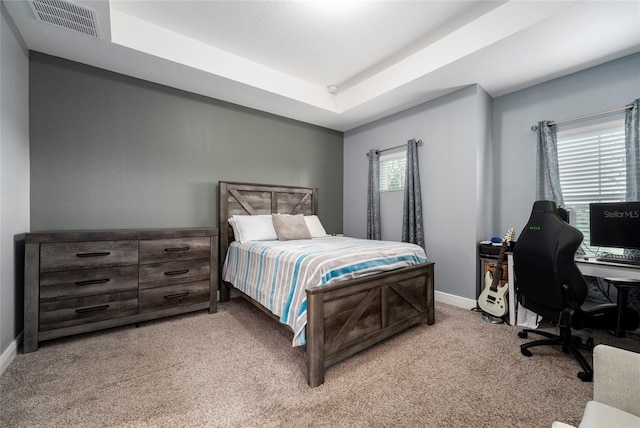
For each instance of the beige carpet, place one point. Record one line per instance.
(237, 368)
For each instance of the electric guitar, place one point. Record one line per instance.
(492, 299)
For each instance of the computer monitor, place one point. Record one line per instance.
(567, 215)
(615, 224)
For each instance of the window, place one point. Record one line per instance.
(392, 171)
(592, 168)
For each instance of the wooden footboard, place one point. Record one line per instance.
(347, 317)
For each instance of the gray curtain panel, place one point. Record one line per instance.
(632, 149)
(373, 196)
(632, 146)
(412, 224)
(547, 172)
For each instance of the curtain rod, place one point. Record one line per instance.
(418, 143)
(534, 128)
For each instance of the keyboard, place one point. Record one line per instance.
(619, 259)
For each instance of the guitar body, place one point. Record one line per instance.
(492, 299)
(493, 302)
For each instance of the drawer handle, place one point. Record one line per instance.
(176, 296)
(177, 272)
(177, 249)
(102, 254)
(93, 281)
(92, 309)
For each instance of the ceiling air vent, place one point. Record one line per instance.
(67, 15)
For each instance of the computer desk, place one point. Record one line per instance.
(588, 266)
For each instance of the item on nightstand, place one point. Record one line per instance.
(615, 390)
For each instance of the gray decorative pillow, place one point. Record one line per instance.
(289, 227)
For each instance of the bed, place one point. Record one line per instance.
(342, 317)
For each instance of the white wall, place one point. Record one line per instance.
(14, 180)
(605, 87)
(455, 130)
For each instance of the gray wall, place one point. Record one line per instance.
(14, 179)
(608, 86)
(456, 133)
(478, 163)
(110, 151)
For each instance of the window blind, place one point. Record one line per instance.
(592, 169)
(392, 171)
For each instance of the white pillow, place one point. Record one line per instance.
(232, 222)
(253, 228)
(315, 226)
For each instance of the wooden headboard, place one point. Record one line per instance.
(253, 199)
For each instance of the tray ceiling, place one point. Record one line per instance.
(378, 57)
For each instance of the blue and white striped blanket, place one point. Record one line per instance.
(276, 273)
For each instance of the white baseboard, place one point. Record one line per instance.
(450, 299)
(10, 353)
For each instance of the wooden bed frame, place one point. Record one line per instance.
(342, 318)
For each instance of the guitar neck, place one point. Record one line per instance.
(497, 277)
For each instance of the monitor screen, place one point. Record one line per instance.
(615, 224)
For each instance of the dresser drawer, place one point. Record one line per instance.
(87, 282)
(78, 281)
(166, 250)
(171, 296)
(68, 312)
(159, 274)
(86, 255)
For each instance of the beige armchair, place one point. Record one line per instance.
(616, 390)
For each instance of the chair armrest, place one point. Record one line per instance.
(615, 378)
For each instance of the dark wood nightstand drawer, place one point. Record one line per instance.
(87, 255)
(68, 312)
(166, 250)
(160, 274)
(87, 282)
(158, 298)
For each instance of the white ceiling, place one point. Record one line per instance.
(383, 56)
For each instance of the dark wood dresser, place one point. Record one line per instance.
(82, 281)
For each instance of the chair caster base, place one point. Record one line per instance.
(526, 352)
(585, 376)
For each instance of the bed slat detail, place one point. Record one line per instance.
(351, 321)
(398, 288)
(242, 201)
(298, 208)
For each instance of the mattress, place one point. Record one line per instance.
(277, 273)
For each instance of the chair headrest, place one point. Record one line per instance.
(544, 207)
